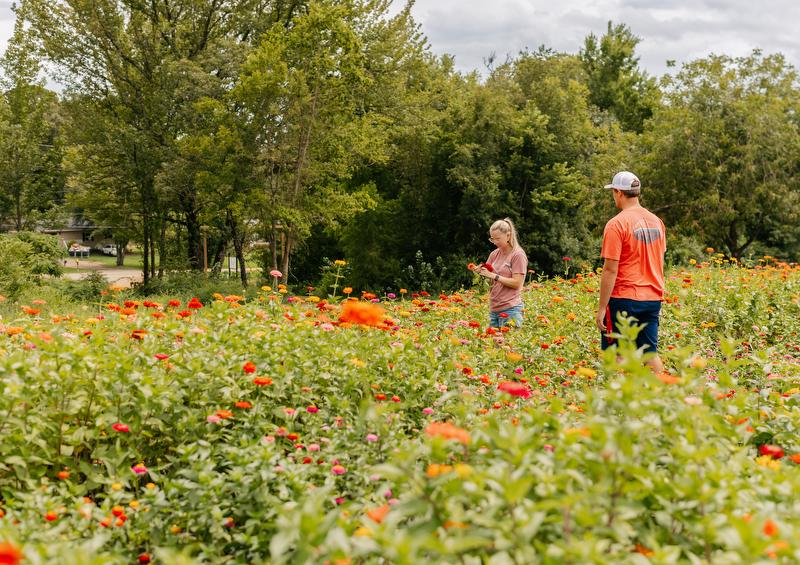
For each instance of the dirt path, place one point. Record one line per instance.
(117, 276)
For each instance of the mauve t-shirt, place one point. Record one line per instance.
(502, 297)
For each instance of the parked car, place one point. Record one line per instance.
(109, 249)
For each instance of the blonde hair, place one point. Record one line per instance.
(506, 226)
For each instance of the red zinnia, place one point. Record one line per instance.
(249, 367)
(119, 427)
(774, 451)
(515, 389)
(194, 303)
(9, 554)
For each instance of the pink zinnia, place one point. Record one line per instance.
(372, 438)
(312, 409)
(118, 427)
(275, 273)
(139, 469)
(338, 470)
(427, 411)
(161, 356)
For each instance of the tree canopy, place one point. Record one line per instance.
(292, 133)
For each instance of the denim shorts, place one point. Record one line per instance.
(514, 313)
(644, 312)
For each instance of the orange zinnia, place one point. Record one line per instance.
(447, 430)
(363, 313)
(378, 514)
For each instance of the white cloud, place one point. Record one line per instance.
(680, 30)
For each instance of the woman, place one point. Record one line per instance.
(506, 270)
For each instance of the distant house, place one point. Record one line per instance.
(80, 230)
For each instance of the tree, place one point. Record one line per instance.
(615, 82)
(723, 154)
(305, 94)
(31, 183)
(143, 65)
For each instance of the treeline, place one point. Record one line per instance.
(291, 133)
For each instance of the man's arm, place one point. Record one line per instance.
(607, 280)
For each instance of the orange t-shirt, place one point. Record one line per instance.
(637, 239)
(502, 297)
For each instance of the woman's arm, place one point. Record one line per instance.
(515, 281)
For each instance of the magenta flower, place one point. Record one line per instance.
(427, 411)
(139, 469)
(312, 409)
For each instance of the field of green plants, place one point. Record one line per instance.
(292, 428)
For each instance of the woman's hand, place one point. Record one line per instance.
(486, 273)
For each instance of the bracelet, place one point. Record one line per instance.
(497, 278)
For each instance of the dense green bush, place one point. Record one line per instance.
(26, 258)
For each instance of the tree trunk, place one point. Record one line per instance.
(162, 245)
(287, 251)
(238, 244)
(194, 244)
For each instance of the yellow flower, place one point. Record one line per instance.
(266, 288)
(347, 290)
(363, 532)
(313, 299)
(402, 291)
(709, 250)
(769, 462)
(283, 291)
(116, 486)
(463, 470)
(692, 262)
(586, 372)
(340, 263)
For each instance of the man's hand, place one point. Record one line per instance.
(600, 320)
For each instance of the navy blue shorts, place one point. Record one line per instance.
(645, 312)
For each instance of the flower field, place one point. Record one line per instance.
(295, 429)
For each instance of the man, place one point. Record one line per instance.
(632, 283)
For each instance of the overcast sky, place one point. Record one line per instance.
(681, 30)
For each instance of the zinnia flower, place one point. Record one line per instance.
(378, 514)
(249, 367)
(774, 451)
(515, 389)
(9, 553)
(275, 273)
(194, 303)
(447, 430)
(139, 469)
(119, 427)
(362, 313)
(262, 381)
(338, 470)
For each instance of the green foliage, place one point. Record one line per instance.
(188, 284)
(721, 156)
(616, 83)
(601, 462)
(27, 257)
